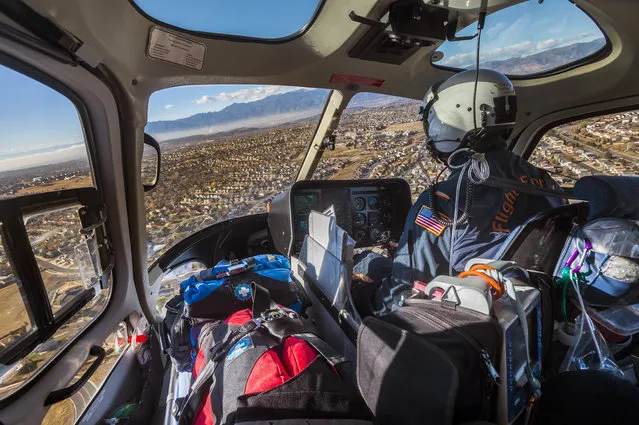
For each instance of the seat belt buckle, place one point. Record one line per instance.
(252, 324)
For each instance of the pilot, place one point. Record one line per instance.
(467, 120)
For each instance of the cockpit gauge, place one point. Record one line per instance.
(373, 218)
(359, 204)
(373, 203)
(360, 219)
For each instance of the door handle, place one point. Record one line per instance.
(64, 393)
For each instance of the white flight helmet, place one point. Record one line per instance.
(450, 117)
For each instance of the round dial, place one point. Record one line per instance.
(373, 203)
(360, 219)
(359, 204)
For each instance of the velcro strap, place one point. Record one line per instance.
(329, 353)
(509, 184)
(262, 301)
(286, 326)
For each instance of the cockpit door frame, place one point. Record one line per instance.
(335, 105)
(26, 405)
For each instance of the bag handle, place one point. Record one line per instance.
(64, 393)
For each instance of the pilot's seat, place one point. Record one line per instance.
(537, 244)
(540, 244)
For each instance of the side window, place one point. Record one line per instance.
(20, 323)
(379, 136)
(68, 411)
(54, 255)
(62, 254)
(606, 145)
(43, 147)
(170, 285)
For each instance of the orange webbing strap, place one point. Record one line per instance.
(476, 271)
(364, 278)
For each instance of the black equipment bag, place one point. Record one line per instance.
(220, 291)
(429, 360)
(175, 334)
(316, 394)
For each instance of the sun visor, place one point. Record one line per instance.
(609, 196)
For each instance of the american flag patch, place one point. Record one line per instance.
(426, 219)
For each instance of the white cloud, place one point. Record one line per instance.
(245, 95)
(67, 153)
(27, 148)
(555, 42)
(168, 106)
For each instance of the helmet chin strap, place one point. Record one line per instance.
(438, 155)
(471, 140)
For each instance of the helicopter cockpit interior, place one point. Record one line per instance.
(239, 212)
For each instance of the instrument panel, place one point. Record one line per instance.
(371, 211)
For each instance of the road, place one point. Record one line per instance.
(575, 160)
(83, 397)
(617, 154)
(53, 267)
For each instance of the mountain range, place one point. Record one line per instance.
(286, 103)
(291, 106)
(548, 59)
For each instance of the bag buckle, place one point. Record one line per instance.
(253, 324)
(278, 313)
(447, 302)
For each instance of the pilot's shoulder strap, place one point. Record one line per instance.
(510, 184)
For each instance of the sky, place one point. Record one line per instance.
(40, 126)
(251, 18)
(521, 30)
(37, 124)
(180, 102)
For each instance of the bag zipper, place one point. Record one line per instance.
(489, 368)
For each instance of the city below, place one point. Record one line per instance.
(209, 178)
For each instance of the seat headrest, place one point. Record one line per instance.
(609, 196)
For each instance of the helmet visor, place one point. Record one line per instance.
(505, 109)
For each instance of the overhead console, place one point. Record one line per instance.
(407, 26)
(369, 210)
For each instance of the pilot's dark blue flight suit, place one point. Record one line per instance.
(425, 244)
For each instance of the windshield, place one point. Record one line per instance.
(380, 136)
(269, 20)
(226, 149)
(528, 38)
